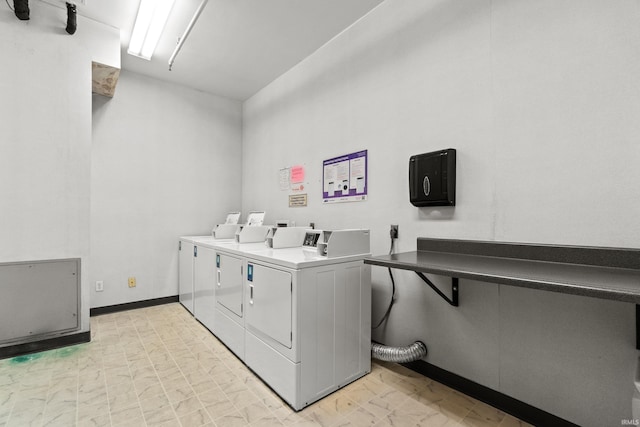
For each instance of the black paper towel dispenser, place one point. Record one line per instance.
(432, 178)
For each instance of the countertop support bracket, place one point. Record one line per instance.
(454, 290)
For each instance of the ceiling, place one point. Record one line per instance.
(236, 47)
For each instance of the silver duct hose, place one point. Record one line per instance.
(411, 353)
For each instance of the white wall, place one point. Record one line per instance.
(541, 101)
(45, 148)
(120, 180)
(93, 34)
(165, 162)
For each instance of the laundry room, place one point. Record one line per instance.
(472, 161)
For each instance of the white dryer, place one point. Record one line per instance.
(229, 293)
(204, 279)
(186, 257)
(195, 278)
(307, 321)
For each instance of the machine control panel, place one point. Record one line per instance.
(311, 239)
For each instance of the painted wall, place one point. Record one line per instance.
(93, 34)
(112, 181)
(540, 99)
(165, 162)
(45, 148)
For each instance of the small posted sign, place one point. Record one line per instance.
(297, 200)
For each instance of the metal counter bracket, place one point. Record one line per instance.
(454, 291)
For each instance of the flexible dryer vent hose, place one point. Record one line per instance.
(411, 353)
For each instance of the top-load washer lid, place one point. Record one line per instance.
(255, 218)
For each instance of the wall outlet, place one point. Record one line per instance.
(132, 282)
(394, 231)
(99, 286)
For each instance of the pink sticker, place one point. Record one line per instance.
(297, 174)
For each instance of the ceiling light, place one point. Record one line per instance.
(151, 19)
(187, 32)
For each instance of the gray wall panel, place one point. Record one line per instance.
(38, 299)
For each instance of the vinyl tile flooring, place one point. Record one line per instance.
(158, 366)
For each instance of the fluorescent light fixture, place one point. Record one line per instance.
(151, 19)
(187, 32)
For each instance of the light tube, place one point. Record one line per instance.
(187, 32)
(150, 22)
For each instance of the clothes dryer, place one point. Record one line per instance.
(229, 293)
(307, 321)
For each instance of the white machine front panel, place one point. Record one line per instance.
(204, 286)
(229, 331)
(280, 373)
(269, 302)
(185, 280)
(229, 283)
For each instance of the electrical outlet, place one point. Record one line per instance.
(394, 231)
(132, 282)
(99, 286)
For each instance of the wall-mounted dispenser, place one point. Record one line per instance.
(432, 178)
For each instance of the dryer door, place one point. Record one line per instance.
(269, 299)
(229, 283)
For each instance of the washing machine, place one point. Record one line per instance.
(229, 293)
(204, 279)
(197, 272)
(186, 256)
(308, 316)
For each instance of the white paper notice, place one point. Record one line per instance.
(342, 171)
(358, 168)
(283, 179)
(331, 188)
(330, 176)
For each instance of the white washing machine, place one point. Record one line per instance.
(229, 293)
(186, 256)
(196, 282)
(217, 281)
(204, 280)
(307, 321)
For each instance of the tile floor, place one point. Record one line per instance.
(159, 367)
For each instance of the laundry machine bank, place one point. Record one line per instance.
(197, 277)
(299, 317)
(197, 270)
